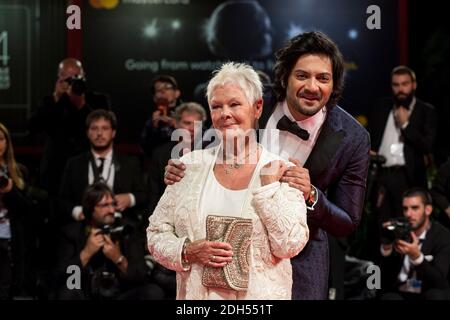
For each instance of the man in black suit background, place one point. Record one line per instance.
(120, 172)
(419, 266)
(403, 130)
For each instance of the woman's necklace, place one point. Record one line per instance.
(230, 167)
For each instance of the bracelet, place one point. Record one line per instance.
(120, 260)
(184, 253)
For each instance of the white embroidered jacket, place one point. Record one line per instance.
(279, 229)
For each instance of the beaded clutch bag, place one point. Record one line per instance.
(237, 232)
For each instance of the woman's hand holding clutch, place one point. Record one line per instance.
(209, 253)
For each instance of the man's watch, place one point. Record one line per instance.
(312, 199)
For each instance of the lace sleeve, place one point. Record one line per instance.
(163, 243)
(282, 210)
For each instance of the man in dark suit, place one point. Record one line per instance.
(328, 146)
(403, 130)
(418, 267)
(101, 162)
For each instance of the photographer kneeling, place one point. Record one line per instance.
(109, 255)
(416, 252)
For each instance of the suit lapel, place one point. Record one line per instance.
(117, 176)
(415, 114)
(326, 145)
(85, 168)
(427, 243)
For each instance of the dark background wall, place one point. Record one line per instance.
(178, 39)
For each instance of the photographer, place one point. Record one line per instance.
(14, 209)
(109, 254)
(415, 265)
(61, 117)
(166, 98)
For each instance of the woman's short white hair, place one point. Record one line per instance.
(238, 74)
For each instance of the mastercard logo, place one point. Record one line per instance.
(362, 119)
(104, 4)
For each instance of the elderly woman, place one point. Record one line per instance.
(239, 180)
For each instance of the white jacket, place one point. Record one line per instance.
(279, 229)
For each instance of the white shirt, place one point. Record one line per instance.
(226, 202)
(108, 169)
(391, 147)
(108, 175)
(286, 144)
(403, 275)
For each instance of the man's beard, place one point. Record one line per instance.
(405, 100)
(421, 223)
(306, 111)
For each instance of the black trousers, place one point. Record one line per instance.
(6, 272)
(392, 184)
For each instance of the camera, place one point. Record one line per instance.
(377, 159)
(398, 229)
(112, 231)
(78, 84)
(4, 177)
(115, 231)
(104, 285)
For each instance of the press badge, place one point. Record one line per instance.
(411, 285)
(397, 149)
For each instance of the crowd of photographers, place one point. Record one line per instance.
(83, 236)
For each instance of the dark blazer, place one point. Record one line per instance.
(418, 136)
(432, 273)
(127, 179)
(338, 167)
(19, 206)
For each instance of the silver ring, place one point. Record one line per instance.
(166, 173)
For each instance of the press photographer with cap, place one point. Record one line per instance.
(108, 251)
(415, 269)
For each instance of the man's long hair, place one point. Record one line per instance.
(308, 43)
